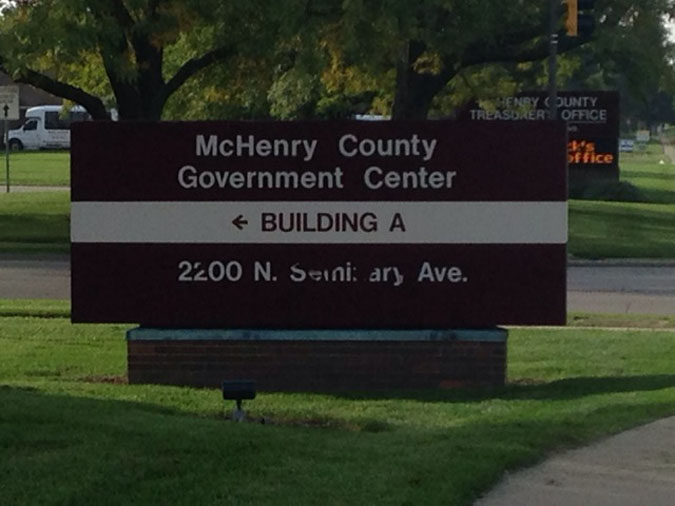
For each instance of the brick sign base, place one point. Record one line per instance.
(318, 361)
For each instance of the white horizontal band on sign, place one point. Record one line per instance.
(320, 222)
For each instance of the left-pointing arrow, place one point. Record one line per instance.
(239, 222)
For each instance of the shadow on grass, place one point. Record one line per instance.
(66, 450)
(36, 228)
(564, 389)
(655, 196)
(628, 217)
(638, 174)
(62, 403)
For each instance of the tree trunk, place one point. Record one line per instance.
(414, 92)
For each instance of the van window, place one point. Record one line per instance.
(79, 116)
(55, 121)
(31, 124)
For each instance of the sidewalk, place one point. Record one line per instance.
(633, 468)
(23, 188)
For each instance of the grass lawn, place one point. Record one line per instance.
(600, 229)
(41, 168)
(71, 432)
(644, 169)
(621, 230)
(35, 222)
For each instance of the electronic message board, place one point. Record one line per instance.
(592, 118)
(318, 224)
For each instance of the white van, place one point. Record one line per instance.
(46, 127)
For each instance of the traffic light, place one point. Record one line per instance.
(578, 22)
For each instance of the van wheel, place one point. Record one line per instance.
(15, 145)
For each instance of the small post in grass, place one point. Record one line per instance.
(7, 154)
(237, 391)
(9, 110)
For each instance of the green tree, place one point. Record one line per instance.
(635, 57)
(315, 58)
(134, 54)
(438, 45)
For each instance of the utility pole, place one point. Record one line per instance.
(553, 59)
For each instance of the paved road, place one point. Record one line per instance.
(45, 278)
(622, 287)
(596, 287)
(649, 279)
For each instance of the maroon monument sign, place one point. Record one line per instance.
(318, 225)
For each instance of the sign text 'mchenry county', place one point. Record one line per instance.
(349, 145)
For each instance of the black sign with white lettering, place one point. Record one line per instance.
(592, 118)
(319, 224)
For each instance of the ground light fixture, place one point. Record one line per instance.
(238, 390)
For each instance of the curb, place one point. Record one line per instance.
(621, 262)
(34, 257)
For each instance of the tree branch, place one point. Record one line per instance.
(92, 104)
(191, 67)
